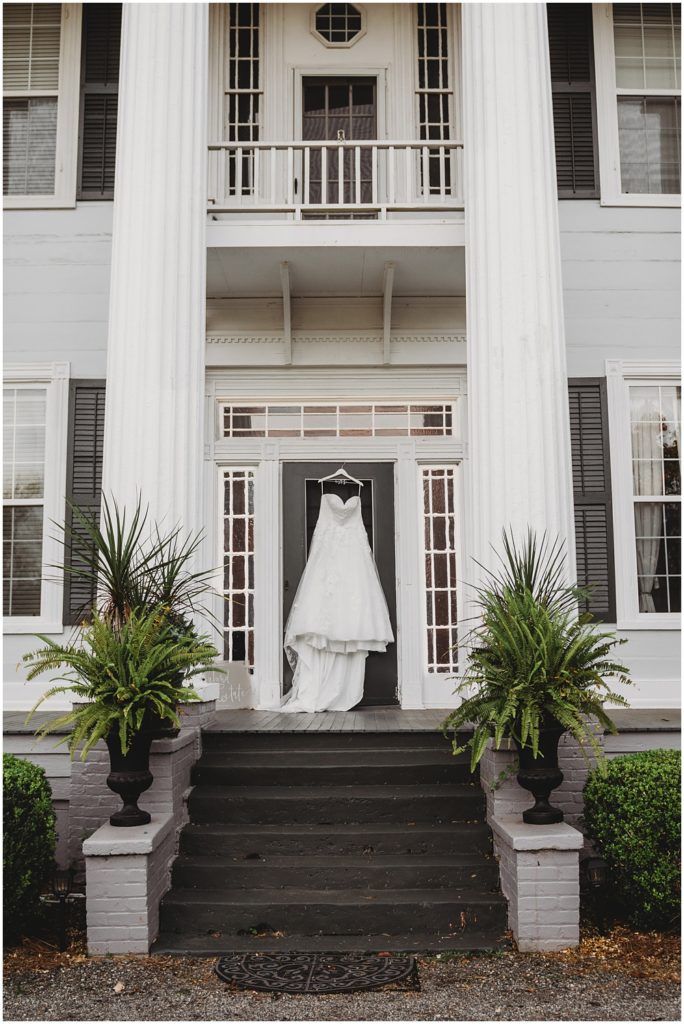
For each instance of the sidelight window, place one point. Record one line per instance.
(439, 523)
(434, 94)
(243, 94)
(238, 564)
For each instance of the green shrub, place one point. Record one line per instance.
(632, 813)
(29, 841)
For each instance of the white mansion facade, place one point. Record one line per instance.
(436, 243)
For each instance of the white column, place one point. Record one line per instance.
(519, 446)
(155, 358)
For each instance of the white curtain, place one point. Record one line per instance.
(647, 450)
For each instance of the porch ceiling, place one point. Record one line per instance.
(353, 271)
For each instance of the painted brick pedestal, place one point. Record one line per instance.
(539, 867)
(127, 872)
(171, 761)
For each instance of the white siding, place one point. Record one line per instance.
(56, 269)
(621, 289)
(621, 284)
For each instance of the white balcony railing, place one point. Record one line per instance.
(312, 180)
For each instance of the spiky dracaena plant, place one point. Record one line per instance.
(122, 671)
(127, 564)
(531, 655)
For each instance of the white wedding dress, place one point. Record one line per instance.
(339, 613)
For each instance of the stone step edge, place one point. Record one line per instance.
(348, 897)
(201, 946)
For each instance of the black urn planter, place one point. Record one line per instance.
(540, 775)
(130, 776)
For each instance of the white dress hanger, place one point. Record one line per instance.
(340, 476)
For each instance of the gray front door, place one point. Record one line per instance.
(301, 504)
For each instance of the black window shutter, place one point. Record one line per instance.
(99, 99)
(592, 494)
(571, 52)
(84, 482)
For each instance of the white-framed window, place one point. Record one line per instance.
(637, 56)
(434, 92)
(645, 412)
(338, 419)
(41, 65)
(438, 489)
(338, 25)
(238, 564)
(35, 411)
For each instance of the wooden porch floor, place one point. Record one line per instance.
(363, 720)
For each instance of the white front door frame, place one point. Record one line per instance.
(416, 688)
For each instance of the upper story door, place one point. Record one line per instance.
(339, 110)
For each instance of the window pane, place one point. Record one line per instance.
(29, 138)
(655, 414)
(22, 559)
(646, 51)
(24, 442)
(31, 40)
(658, 549)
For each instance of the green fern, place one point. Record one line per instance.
(532, 655)
(121, 672)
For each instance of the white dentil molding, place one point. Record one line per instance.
(519, 440)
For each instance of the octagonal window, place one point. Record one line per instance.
(338, 24)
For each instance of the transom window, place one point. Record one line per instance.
(647, 76)
(23, 499)
(338, 420)
(338, 24)
(439, 519)
(655, 415)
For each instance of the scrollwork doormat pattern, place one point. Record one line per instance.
(317, 973)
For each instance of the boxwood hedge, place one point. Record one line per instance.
(28, 842)
(632, 814)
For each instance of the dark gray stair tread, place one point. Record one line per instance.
(347, 897)
(376, 860)
(334, 829)
(447, 791)
(378, 758)
(205, 945)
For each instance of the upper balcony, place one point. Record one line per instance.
(334, 125)
(369, 179)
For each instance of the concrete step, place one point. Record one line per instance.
(336, 804)
(216, 944)
(243, 841)
(345, 912)
(370, 872)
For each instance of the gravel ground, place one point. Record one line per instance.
(502, 986)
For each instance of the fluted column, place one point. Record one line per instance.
(155, 356)
(519, 448)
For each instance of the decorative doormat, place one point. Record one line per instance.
(318, 973)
